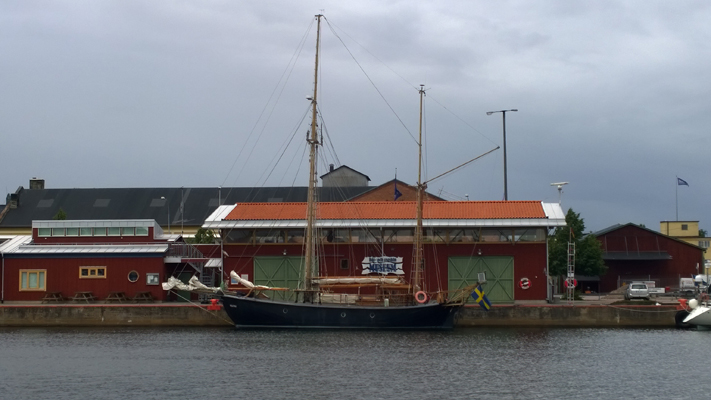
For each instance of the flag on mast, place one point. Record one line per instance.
(397, 192)
(681, 182)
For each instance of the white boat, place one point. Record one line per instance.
(696, 313)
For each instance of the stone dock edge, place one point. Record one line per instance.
(176, 315)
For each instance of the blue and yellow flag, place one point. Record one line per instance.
(480, 297)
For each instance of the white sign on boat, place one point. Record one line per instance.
(382, 265)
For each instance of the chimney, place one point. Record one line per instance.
(330, 166)
(36, 183)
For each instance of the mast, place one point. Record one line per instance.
(420, 189)
(310, 260)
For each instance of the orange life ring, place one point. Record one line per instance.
(567, 282)
(524, 283)
(421, 297)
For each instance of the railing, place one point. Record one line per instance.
(184, 250)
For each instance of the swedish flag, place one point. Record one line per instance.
(480, 297)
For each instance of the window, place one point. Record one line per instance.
(85, 232)
(33, 279)
(114, 231)
(295, 236)
(72, 231)
(269, 236)
(684, 227)
(704, 244)
(99, 231)
(92, 272)
(365, 236)
(463, 235)
(127, 232)
(44, 232)
(239, 236)
(57, 231)
(133, 276)
(152, 278)
(398, 235)
(141, 231)
(344, 263)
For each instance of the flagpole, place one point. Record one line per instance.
(677, 198)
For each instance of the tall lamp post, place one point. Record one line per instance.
(167, 204)
(503, 113)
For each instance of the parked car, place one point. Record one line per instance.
(637, 290)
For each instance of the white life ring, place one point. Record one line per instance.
(421, 297)
(569, 282)
(524, 283)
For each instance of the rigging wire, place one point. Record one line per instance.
(461, 119)
(370, 80)
(286, 74)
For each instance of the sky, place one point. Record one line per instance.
(612, 97)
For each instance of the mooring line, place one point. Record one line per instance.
(201, 307)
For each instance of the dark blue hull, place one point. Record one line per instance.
(249, 312)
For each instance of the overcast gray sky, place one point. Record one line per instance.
(612, 96)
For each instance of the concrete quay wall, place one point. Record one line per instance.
(111, 315)
(470, 316)
(573, 316)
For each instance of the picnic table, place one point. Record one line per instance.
(143, 296)
(116, 296)
(50, 297)
(84, 296)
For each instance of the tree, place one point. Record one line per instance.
(60, 215)
(703, 233)
(203, 236)
(588, 250)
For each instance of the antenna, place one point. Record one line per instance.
(560, 189)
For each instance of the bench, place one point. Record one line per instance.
(52, 297)
(84, 296)
(143, 296)
(116, 296)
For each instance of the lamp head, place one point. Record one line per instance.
(489, 112)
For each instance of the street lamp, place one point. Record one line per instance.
(167, 204)
(503, 113)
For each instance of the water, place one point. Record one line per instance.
(124, 363)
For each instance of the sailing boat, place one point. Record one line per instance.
(314, 305)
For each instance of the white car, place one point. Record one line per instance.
(637, 290)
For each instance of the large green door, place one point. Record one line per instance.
(278, 271)
(499, 286)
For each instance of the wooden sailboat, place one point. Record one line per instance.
(414, 309)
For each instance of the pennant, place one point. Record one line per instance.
(681, 182)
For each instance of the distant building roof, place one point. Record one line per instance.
(342, 167)
(147, 203)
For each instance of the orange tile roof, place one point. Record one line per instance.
(390, 210)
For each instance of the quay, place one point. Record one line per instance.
(590, 313)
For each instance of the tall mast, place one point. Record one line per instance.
(310, 260)
(420, 189)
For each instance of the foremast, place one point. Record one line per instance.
(311, 239)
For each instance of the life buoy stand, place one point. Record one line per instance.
(524, 283)
(569, 282)
(421, 297)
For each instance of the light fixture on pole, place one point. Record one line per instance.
(167, 204)
(503, 113)
(560, 189)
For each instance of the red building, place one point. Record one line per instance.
(97, 257)
(634, 253)
(264, 242)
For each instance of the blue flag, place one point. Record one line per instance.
(679, 182)
(397, 192)
(480, 297)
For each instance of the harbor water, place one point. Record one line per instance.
(482, 363)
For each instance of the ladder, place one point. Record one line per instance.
(570, 279)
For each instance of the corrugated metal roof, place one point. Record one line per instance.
(15, 242)
(90, 249)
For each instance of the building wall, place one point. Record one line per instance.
(62, 275)
(631, 239)
(344, 177)
(675, 228)
(529, 260)
(386, 192)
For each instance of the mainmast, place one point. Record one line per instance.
(310, 260)
(420, 189)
